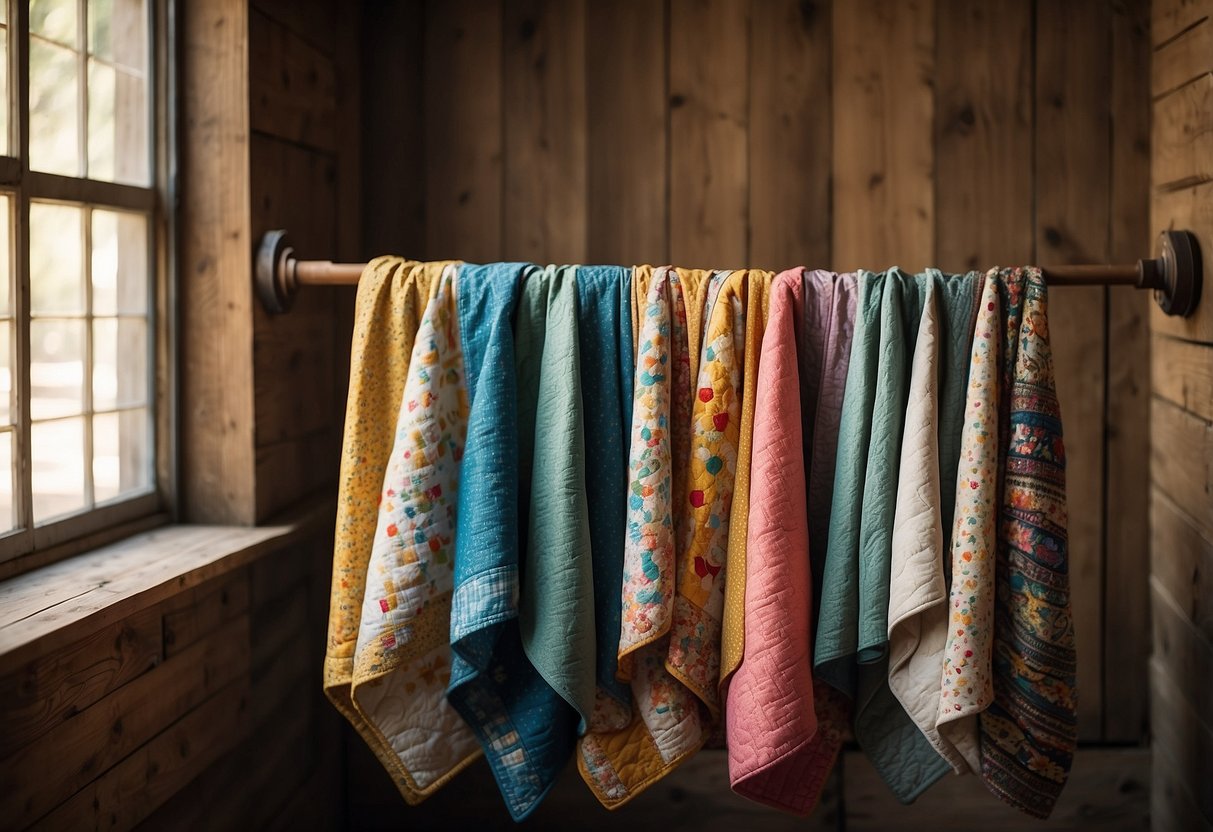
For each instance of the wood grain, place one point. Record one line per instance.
(463, 130)
(44, 611)
(203, 610)
(215, 374)
(134, 788)
(1182, 562)
(627, 134)
(789, 140)
(1182, 373)
(1184, 657)
(1171, 803)
(1182, 138)
(983, 135)
(1180, 734)
(292, 88)
(76, 752)
(1183, 60)
(1127, 495)
(393, 205)
(54, 688)
(544, 105)
(1181, 460)
(1170, 17)
(709, 112)
(884, 165)
(1108, 789)
(313, 20)
(1072, 214)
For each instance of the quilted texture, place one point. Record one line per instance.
(524, 726)
(669, 722)
(861, 530)
(778, 754)
(966, 681)
(402, 659)
(557, 602)
(757, 300)
(1029, 732)
(392, 295)
(605, 342)
(917, 588)
(837, 636)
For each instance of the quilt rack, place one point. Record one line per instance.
(1175, 275)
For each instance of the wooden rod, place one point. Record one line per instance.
(1175, 275)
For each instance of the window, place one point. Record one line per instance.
(78, 217)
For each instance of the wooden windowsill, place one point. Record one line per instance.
(55, 605)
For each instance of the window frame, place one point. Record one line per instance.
(30, 545)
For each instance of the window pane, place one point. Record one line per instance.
(6, 286)
(54, 19)
(3, 91)
(117, 125)
(117, 32)
(121, 454)
(56, 368)
(6, 376)
(8, 512)
(58, 467)
(118, 140)
(54, 127)
(119, 263)
(56, 263)
(119, 363)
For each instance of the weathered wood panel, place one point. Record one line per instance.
(1179, 733)
(54, 688)
(1184, 59)
(1171, 17)
(74, 753)
(1072, 220)
(463, 130)
(709, 112)
(1107, 790)
(1184, 657)
(789, 140)
(983, 135)
(393, 207)
(1183, 374)
(134, 788)
(292, 88)
(628, 133)
(1126, 498)
(1181, 460)
(1182, 562)
(1182, 137)
(544, 102)
(884, 165)
(202, 610)
(215, 373)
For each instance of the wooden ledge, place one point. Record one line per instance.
(47, 608)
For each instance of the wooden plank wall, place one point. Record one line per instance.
(201, 711)
(305, 177)
(780, 132)
(1181, 430)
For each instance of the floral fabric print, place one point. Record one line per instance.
(668, 727)
(694, 655)
(967, 687)
(1030, 732)
(392, 296)
(402, 661)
